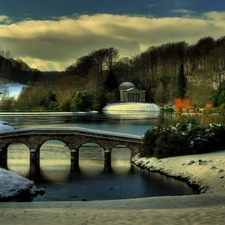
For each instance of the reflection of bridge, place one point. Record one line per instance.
(74, 138)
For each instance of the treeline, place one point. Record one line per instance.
(155, 70)
(17, 70)
(101, 71)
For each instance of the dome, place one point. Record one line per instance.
(126, 85)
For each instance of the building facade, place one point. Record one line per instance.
(129, 93)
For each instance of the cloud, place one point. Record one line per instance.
(57, 43)
(5, 19)
(218, 16)
(183, 11)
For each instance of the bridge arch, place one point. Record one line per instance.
(20, 148)
(74, 138)
(91, 150)
(18, 158)
(116, 152)
(56, 149)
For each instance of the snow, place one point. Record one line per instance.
(13, 185)
(5, 127)
(132, 106)
(3, 122)
(207, 171)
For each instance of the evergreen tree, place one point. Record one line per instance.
(111, 82)
(221, 98)
(180, 83)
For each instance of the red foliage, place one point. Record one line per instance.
(182, 105)
(208, 106)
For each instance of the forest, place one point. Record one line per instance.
(93, 80)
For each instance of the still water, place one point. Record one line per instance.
(92, 181)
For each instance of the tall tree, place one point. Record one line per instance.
(180, 83)
(159, 94)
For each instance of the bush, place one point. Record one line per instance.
(82, 101)
(171, 144)
(182, 139)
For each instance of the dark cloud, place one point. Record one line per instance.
(56, 44)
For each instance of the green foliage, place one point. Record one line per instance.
(35, 98)
(65, 105)
(82, 101)
(7, 104)
(100, 101)
(182, 139)
(180, 83)
(48, 101)
(170, 144)
(221, 98)
(111, 82)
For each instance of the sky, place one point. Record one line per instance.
(53, 34)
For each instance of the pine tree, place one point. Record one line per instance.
(180, 83)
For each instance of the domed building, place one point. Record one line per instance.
(129, 93)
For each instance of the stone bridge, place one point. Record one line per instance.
(74, 138)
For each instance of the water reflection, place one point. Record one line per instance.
(91, 180)
(121, 115)
(132, 123)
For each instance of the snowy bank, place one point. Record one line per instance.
(206, 171)
(132, 110)
(13, 186)
(132, 106)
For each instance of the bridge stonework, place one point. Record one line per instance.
(73, 138)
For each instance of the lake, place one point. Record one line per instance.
(92, 181)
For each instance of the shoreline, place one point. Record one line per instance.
(195, 186)
(206, 170)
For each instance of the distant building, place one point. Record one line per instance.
(129, 93)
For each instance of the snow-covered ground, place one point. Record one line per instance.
(132, 106)
(207, 171)
(132, 110)
(13, 186)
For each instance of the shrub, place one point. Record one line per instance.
(82, 101)
(182, 139)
